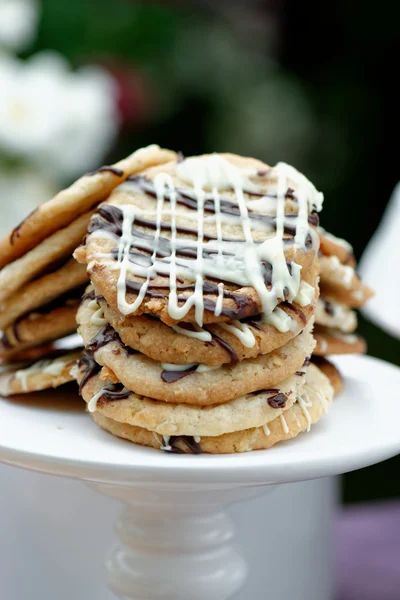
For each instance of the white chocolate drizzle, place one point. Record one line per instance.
(44, 366)
(199, 333)
(305, 295)
(165, 443)
(92, 404)
(304, 405)
(200, 368)
(280, 320)
(241, 262)
(242, 331)
(97, 317)
(285, 427)
(266, 429)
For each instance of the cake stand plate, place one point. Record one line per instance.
(174, 535)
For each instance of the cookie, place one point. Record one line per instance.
(191, 383)
(332, 341)
(252, 410)
(330, 245)
(214, 345)
(41, 291)
(331, 371)
(43, 258)
(335, 315)
(342, 283)
(232, 249)
(72, 202)
(49, 372)
(49, 322)
(314, 403)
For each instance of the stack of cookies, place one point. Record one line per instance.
(198, 319)
(41, 284)
(341, 292)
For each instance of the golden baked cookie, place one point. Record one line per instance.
(214, 345)
(116, 402)
(49, 322)
(191, 383)
(39, 292)
(183, 254)
(43, 258)
(45, 373)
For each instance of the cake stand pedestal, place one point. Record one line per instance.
(175, 539)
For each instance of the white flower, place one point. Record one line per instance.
(18, 22)
(20, 192)
(63, 121)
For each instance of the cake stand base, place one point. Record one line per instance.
(172, 541)
(175, 540)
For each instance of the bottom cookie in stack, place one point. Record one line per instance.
(249, 405)
(256, 421)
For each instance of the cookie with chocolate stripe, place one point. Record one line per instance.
(72, 202)
(115, 401)
(308, 410)
(238, 246)
(214, 344)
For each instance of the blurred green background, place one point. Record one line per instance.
(309, 83)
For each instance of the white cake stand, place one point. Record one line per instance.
(175, 539)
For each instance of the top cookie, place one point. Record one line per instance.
(205, 239)
(79, 198)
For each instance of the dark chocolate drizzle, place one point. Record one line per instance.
(328, 307)
(16, 232)
(215, 340)
(90, 367)
(232, 354)
(189, 442)
(105, 336)
(277, 401)
(228, 207)
(295, 309)
(172, 376)
(88, 296)
(245, 306)
(109, 169)
(110, 218)
(114, 391)
(5, 343)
